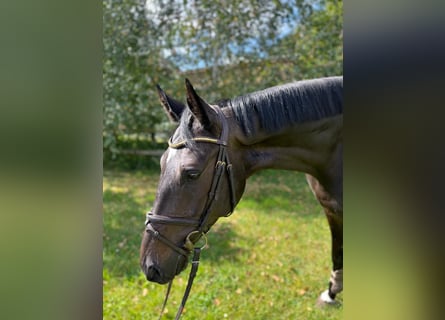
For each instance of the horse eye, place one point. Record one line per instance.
(193, 174)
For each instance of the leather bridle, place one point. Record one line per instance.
(200, 224)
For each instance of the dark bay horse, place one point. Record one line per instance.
(298, 126)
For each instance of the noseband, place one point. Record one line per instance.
(200, 224)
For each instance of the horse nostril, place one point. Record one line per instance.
(152, 273)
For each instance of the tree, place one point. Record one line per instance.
(311, 48)
(132, 65)
(226, 48)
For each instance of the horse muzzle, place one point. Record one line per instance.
(155, 273)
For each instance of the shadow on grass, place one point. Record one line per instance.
(123, 229)
(123, 226)
(269, 192)
(276, 193)
(223, 245)
(280, 191)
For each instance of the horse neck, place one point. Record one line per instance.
(308, 147)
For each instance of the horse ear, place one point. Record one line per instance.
(173, 107)
(200, 109)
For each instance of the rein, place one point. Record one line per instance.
(222, 164)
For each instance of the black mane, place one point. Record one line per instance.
(280, 106)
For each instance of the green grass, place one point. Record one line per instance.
(269, 260)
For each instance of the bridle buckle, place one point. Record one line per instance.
(189, 245)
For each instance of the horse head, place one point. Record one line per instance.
(202, 178)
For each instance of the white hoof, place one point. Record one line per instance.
(324, 299)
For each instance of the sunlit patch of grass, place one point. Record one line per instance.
(269, 260)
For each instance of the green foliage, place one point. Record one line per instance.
(132, 65)
(269, 260)
(132, 161)
(226, 48)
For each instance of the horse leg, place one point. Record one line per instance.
(336, 280)
(334, 214)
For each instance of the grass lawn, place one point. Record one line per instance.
(269, 260)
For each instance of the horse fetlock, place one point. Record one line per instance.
(336, 281)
